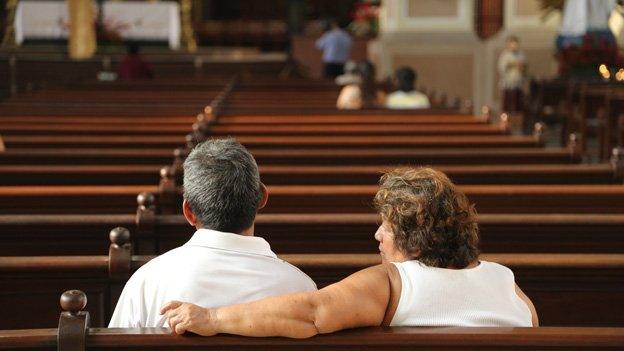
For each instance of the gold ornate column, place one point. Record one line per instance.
(82, 39)
(186, 19)
(9, 31)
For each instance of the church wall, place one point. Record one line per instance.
(437, 38)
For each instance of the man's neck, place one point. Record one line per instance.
(247, 232)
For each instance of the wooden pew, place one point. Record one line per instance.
(390, 338)
(314, 199)
(381, 118)
(310, 175)
(592, 283)
(252, 130)
(28, 235)
(275, 142)
(394, 338)
(302, 156)
(487, 198)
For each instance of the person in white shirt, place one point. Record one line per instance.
(511, 68)
(223, 263)
(336, 45)
(406, 97)
(430, 275)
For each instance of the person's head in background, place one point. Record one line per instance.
(512, 43)
(405, 79)
(366, 71)
(350, 67)
(222, 188)
(133, 49)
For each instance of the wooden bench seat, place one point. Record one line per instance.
(275, 142)
(487, 198)
(299, 156)
(378, 119)
(311, 175)
(305, 233)
(395, 338)
(592, 283)
(315, 199)
(251, 130)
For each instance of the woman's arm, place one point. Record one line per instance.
(359, 300)
(527, 300)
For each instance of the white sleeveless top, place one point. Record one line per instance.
(482, 296)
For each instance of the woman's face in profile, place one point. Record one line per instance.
(387, 247)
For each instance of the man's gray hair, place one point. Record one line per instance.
(222, 185)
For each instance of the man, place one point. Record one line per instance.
(406, 97)
(336, 45)
(511, 67)
(223, 263)
(133, 66)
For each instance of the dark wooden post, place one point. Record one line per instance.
(167, 191)
(119, 253)
(13, 74)
(539, 133)
(179, 155)
(146, 223)
(73, 322)
(575, 147)
(486, 113)
(617, 163)
(504, 123)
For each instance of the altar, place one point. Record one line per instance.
(130, 20)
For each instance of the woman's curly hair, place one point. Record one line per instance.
(429, 217)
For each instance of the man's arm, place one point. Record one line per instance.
(359, 300)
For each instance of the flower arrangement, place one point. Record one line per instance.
(365, 19)
(584, 60)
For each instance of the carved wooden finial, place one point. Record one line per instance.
(539, 132)
(617, 162)
(147, 200)
(486, 113)
(191, 140)
(119, 236)
(73, 301)
(504, 122)
(167, 172)
(574, 145)
(180, 152)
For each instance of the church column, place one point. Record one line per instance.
(82, 40)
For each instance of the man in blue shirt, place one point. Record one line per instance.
(336, 45)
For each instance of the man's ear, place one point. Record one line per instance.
(188, 213)
(265, 196)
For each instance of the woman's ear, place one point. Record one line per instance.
(188, 213)
(265, 196)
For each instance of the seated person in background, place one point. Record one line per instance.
(133, 67)
(361, 94)
(430, 276)
(350, 76)
(406, 97)
(223, 263)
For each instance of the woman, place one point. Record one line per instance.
(359, 94)
(430, 276)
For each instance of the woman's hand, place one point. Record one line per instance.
(183, 317)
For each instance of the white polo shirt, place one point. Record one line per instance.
(212, 269)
